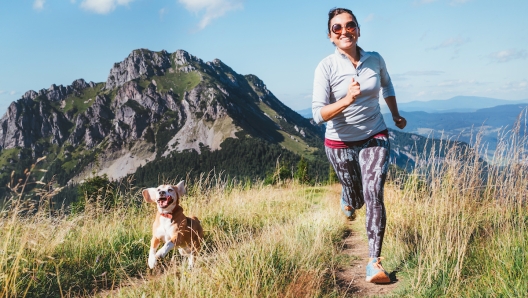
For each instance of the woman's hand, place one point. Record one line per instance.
(328, 112)
(353, 92)
(399, 121)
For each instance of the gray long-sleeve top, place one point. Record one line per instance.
(363, 118)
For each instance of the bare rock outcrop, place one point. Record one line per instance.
(139, 63)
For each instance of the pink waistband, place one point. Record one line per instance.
(343, 144)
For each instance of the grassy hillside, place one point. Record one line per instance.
(456, 228)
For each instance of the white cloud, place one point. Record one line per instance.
(12, 93)
(415, 73)
(419, 2)
(508, 55)
(454, 42)
(38, 4)
(458, 83)
(424, 73)
(423, 36)
(369, 18)
(103, 6)
(457, 2)
(213, 8)
(2, 91)
(451, 42)
(452, 2)
(515, 86)
(162, 13)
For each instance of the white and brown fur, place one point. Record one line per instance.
(171, 225)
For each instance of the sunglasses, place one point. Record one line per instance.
(349, 27)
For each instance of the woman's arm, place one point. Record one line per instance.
(330, 111)
(324, 106)
(399, 121)
(389, 95)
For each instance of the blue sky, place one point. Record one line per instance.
(434, 49)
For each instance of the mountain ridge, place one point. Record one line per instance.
(152, 104)
(457, 104)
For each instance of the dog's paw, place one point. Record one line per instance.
(152, 261)
(159, 254)
(164, 250)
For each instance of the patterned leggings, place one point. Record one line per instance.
(362, 171)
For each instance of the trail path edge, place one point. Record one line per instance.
(351, 279)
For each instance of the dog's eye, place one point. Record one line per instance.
(170, 190)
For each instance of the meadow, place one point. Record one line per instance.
(456, 228)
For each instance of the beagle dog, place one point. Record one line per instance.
(171, 226)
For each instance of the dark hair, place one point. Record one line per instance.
(336, 11)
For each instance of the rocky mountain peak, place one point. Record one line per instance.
(57, 93)
(141, 62)
(30, 95)
(259, 86)
(153, 104)
(182, 57)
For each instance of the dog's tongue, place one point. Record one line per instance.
(164, 203)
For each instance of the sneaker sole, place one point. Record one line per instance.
(380, 278)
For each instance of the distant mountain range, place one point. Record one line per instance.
(457, 104)
(490, 123)
(459, 118)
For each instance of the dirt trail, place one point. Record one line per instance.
(351, 279)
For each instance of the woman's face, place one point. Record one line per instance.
(345, 40)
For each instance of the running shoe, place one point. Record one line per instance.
(375, 272)
(348, 210)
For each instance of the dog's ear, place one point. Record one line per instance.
(180, 188)
(150, 195)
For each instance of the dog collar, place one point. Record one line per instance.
(167, 215)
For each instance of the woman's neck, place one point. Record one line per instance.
(352, 54)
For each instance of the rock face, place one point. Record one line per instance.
(153, 104)
(33, 117)
(139, 63)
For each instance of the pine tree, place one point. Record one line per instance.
(302, 171)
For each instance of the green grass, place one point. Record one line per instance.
(82, 102)
(250, 82)
(179, 82)
(253, 237)
(8, 154)
(299, 147)
(463, 233)
(75, 157)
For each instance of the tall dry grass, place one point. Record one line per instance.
(457, 225)
(260, 241)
